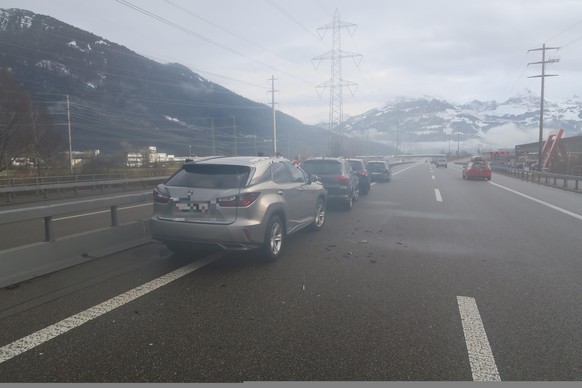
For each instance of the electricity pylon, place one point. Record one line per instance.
(336, 83)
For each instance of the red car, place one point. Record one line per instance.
(479, 170)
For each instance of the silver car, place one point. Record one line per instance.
(237, 203)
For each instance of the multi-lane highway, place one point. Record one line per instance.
(428, 278)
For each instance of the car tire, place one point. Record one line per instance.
(349, 203)
(356, 194)
(320, 215)
(274, 238)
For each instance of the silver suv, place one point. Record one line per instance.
(237, 203)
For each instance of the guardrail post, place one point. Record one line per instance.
(565, 182)
(114, 219)
(48, 229)
(576, 188)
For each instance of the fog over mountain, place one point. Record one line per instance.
(428, 123)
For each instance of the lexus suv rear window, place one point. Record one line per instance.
(210, 176)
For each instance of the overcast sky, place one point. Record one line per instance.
(458, 50)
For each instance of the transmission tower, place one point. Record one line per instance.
(336, 83)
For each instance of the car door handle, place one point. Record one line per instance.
(280, 192)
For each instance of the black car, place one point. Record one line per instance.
(337, 177)
(379, 171)
(359, 167)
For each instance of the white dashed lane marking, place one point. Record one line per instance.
(483, 365)
(437, 193)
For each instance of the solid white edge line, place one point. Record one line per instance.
(407, 168)
(483, 367)
(33, 340)
(572, 214)
(437, 193)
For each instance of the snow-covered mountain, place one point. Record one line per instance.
(430, 123)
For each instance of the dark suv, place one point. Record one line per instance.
(379, 171)
(337, 177)
(359, 167)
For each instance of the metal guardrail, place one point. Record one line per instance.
(570, 182)
(51, 180)
(73, 182)
(47, 212)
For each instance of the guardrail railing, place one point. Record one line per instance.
(51, 180)
(571, 182)
(43, 185)
(47, 212)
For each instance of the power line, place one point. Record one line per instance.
(201, 37)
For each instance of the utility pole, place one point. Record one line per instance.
(458, 145)
(234, 127)
(542, 76)
(274, 114)
(255, 136)
(213, 138)
(397, 148)
(70, 145)
(368, 142)
(336, 83)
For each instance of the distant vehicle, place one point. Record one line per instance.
(477, 170)
(379, 171)
(236, 203)
(359, 167)
(337, 178)
(441, 162)
(477, 159)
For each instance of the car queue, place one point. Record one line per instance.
(246, 203)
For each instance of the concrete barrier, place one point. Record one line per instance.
(23, 263)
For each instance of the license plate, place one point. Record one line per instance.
(193, 207)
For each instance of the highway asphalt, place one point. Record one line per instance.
(428, 278)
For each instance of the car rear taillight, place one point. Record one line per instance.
(343, 179)
(160, 197)
(241, 200)
(363, 172)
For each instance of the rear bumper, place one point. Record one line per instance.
(380, 177)
(240, 235)
(340, 194)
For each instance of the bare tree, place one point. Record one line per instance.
(14, 120)
(45, 145)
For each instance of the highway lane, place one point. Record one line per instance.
(481, 284)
